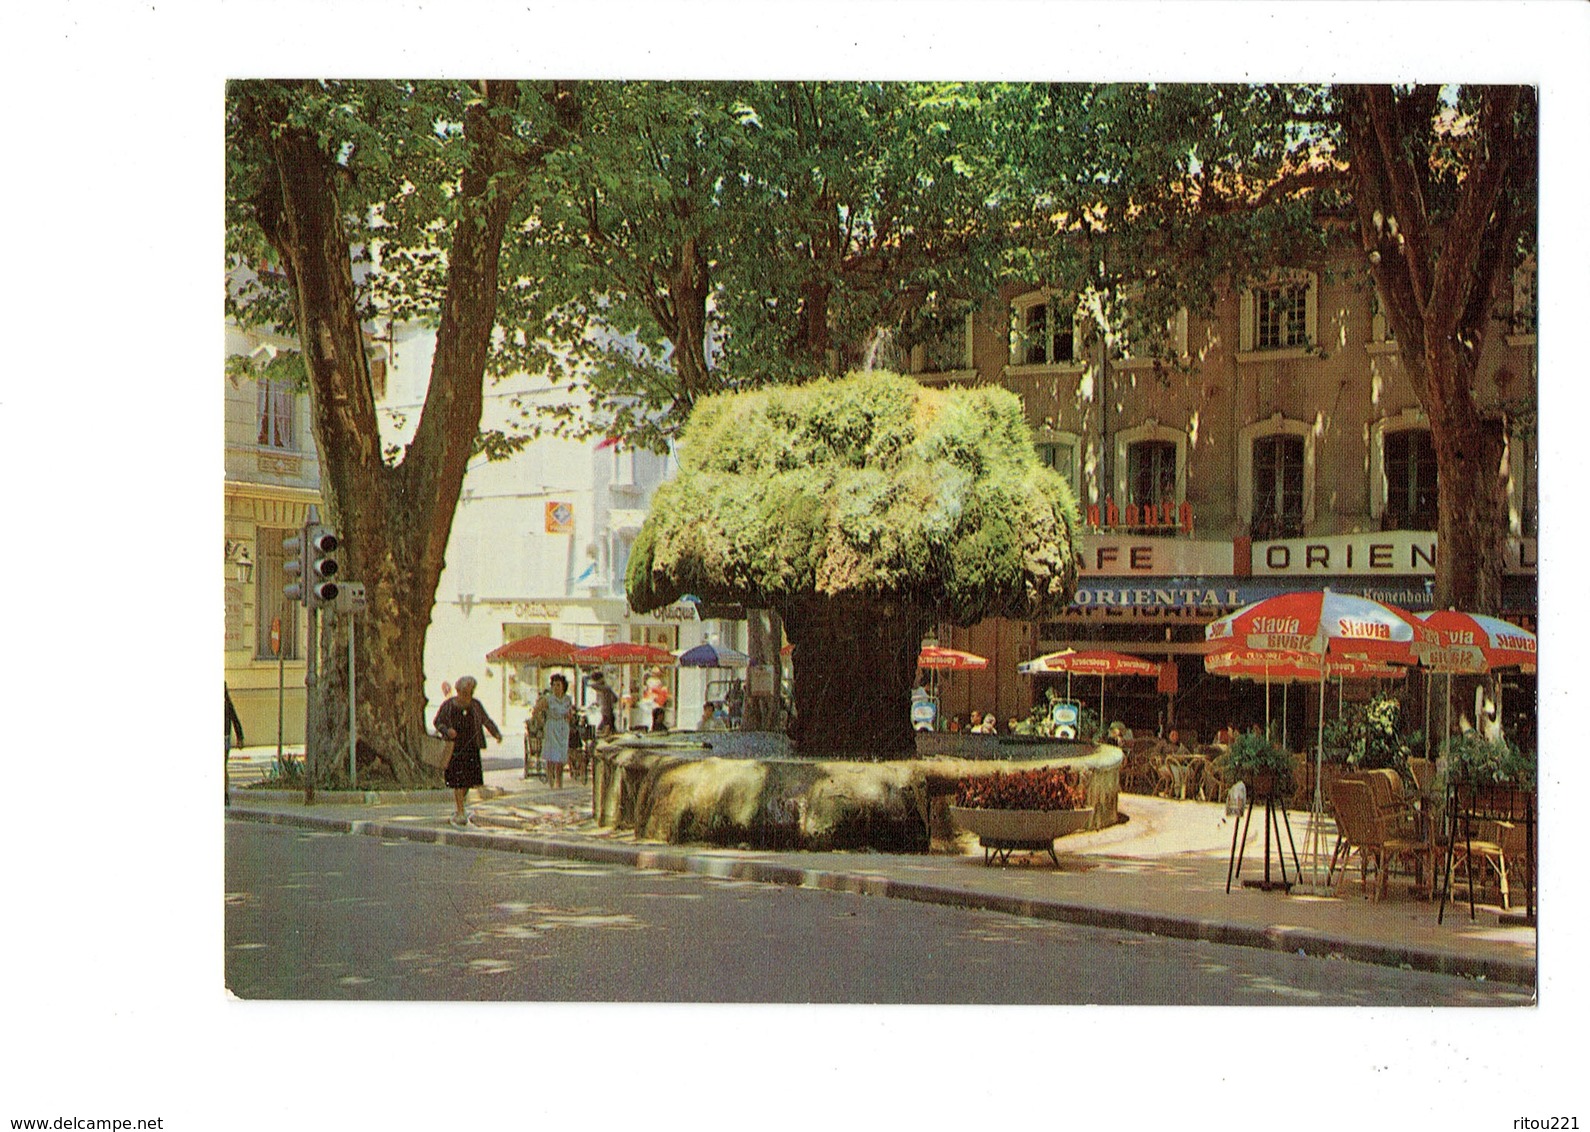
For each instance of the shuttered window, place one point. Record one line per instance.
(1410, 481)
(1278, 487)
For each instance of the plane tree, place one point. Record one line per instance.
(1156, 197)
(349, 199)
(864, 510)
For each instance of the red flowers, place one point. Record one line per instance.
(1048, 788)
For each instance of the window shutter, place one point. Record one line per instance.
(1245, 334)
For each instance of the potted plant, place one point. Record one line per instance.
(1475, 760)
(1025, 809)
(1265, 766)
(1370, 737)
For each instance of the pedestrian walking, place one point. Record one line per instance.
(233, 724)
(463, 719)
(553, 713)
(606, 702)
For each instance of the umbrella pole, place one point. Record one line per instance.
(1102, 717)
(1314, 840)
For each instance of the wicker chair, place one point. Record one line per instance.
(1138, 773)
(1490, 842)
(1402, 817)
(1363, 832)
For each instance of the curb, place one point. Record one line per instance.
(366, 797)
(1297, 940)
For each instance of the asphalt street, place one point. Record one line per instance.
(317, 915)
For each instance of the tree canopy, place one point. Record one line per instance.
(869, 488)
(704, 237)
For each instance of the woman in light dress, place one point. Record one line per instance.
(552, 713)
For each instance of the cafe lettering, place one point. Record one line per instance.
(1167, 515)
(1391, 553)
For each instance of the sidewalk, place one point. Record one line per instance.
(1163, 871)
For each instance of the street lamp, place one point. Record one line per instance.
(237, 556)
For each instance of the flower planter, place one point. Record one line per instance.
(1001, 832)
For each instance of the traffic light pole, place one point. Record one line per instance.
(310, 680)
(353, 699)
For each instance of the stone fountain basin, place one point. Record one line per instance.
(676, 789)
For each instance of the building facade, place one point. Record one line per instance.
(539, 546)
(272, 479)
(1287, 450)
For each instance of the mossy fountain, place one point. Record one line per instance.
(733, 788)
(862, 512)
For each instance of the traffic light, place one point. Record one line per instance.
(321, 573)
(293, 568)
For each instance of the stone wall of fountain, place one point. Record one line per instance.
(746, 788)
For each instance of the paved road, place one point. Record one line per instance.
(313, 915)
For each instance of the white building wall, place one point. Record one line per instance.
(507, 574)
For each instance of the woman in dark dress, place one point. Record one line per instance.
(463, 720)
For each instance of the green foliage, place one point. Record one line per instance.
(869, 487)
(286, 772)
(1474, 759)
(1046, 788)
(286, 365)
(1370, 736)
(1253, 753)
(775, 223)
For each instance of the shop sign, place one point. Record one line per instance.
(560, 518)
(1167, 516)
(1125, 556)
(1184, 596)
(1173, 593)
(536, 611)
(1388, 552)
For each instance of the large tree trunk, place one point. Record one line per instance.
(394, 521)
(1472, 506)
(1439, 282)
(855, 663)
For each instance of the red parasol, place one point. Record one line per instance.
(1328, 625)
(622, 652)
(534, 650)
(949, 660)
(1273, 666)
(1321, 622)
(1090, 662)
(1281, 667)
(1473, 644)
(1470, 644)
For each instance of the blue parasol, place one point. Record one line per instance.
(712, 655)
